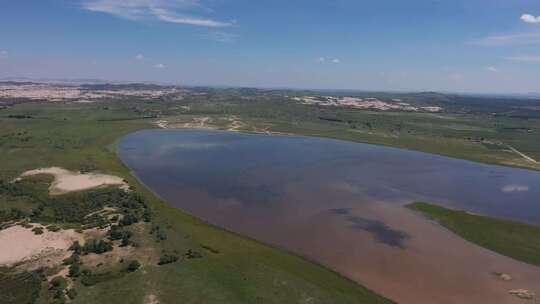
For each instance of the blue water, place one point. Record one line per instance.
(202, 171)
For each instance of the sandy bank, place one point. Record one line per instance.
(19, 244)
(66, 181)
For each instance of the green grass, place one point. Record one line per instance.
(512, 239)
(19, 288)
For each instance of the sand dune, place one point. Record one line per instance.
(66, 181)
(21, 244)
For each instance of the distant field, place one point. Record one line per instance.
(515, 240)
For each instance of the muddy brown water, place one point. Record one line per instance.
(341, 204)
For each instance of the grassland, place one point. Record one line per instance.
(229, 268)
(512, 239)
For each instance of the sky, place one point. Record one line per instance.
(412, 45)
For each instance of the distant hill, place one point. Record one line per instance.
(126, 86)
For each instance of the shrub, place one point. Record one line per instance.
(59, 294)
(89, 279)
(147, 215)
(76, 247)
(53, 228)
(125, 240)
(161, 235)
(133, 266)
(116, 233)
(87, 168)
(212, 250)
(128, 219)
(167, 259)
(74, 270)
(37, 230)
(59, 283)
(192, 254)
(96, 246)
(72, 293)
(74, 258)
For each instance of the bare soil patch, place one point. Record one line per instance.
(20, 244)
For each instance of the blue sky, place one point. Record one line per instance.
(457, 45)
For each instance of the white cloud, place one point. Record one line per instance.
(530, 18)
(514, 188)
(223, 37)
(165, 16)
(159, 66)
(525, 58)
(324, 59)
(3, 53)
(492, 69)
(510, 39)
(174, 11)
(139, 57)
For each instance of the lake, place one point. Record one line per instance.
(340, 204)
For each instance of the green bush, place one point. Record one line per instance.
(76, 247)
(97, 246)
(133, 266)
(116, 233)
(74, 270)
(58, 282)
(167, 259)
(192, 254)
(74, 258)
(89, 279)
(128, 219)
(53, 228)
(37, 230)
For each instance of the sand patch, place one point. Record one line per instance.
(522, 294)
(66, 181)
(195, 123)
(151, 299)
(19, 244)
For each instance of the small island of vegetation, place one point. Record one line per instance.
(512, 239)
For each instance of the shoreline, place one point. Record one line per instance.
(272, 133)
